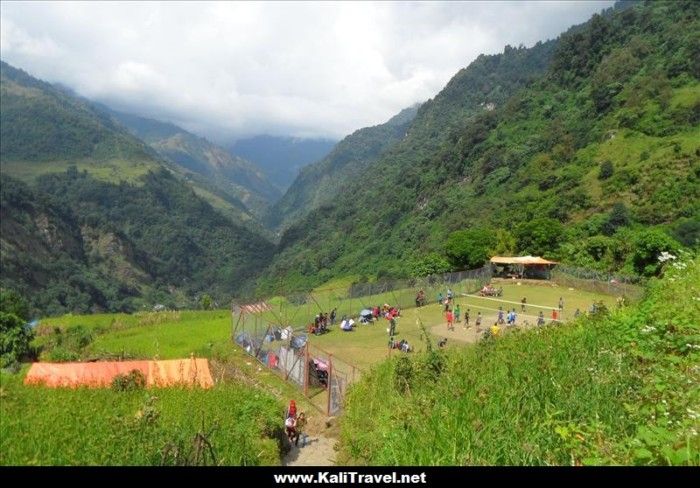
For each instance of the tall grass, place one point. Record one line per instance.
(42, 426)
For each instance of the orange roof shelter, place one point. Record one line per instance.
(524, 260)
(175, 372)
(523, 266)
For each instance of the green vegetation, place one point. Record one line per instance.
(320, 183)
(15, 335)
(131, 426)
(208, 167)
(74, 243)
(99, 222)
(576, 147)
(612, 388)
(43, 123)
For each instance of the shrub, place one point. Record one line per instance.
(605, 171)
(133, 380)
(15, 337)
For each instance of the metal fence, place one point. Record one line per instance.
(277, 336)
(629, 287)
(322, 378)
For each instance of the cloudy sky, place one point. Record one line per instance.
(304, 69)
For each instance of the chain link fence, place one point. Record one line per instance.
(628, 287)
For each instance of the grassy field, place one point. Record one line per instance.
(171, 335)
(112, 171)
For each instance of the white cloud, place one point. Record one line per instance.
(304, 69)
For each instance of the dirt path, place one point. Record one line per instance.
(318, 451)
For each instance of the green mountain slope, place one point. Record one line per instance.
(205, 162)
(321, 182)
(43, 127)
(589, 141)
(101, 223)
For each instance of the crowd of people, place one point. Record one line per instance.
(322, 323)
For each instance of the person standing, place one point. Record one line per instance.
(522, 304)
(466, 318)
(540, 318)
(561, 305)
(458, 313)
(478, 321)
(554, 315)
(450, 319)
(440, 298)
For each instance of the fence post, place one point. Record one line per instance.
(306, 369)
(330, 382)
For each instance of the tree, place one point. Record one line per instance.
(687, 232)
(647, 246)
(469, 248)
(619, 217)
(429, 264)
(540, 236)
(12, 303)
(505, 243)
(606, 170)
(15, 337)
(205, 302)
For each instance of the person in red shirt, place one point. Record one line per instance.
(554, 314)
(450, 319)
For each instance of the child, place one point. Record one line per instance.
(466, 319)
(478, 321)
(522, 304)
(458, 313)
(450, 319)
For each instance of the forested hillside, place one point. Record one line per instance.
(100, 223)
(230, 177)
(584, 149)
(322, 181)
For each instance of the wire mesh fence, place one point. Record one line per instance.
(629, 287)
(277, 334)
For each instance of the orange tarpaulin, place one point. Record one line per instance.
(101, 374)
(520, 260)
